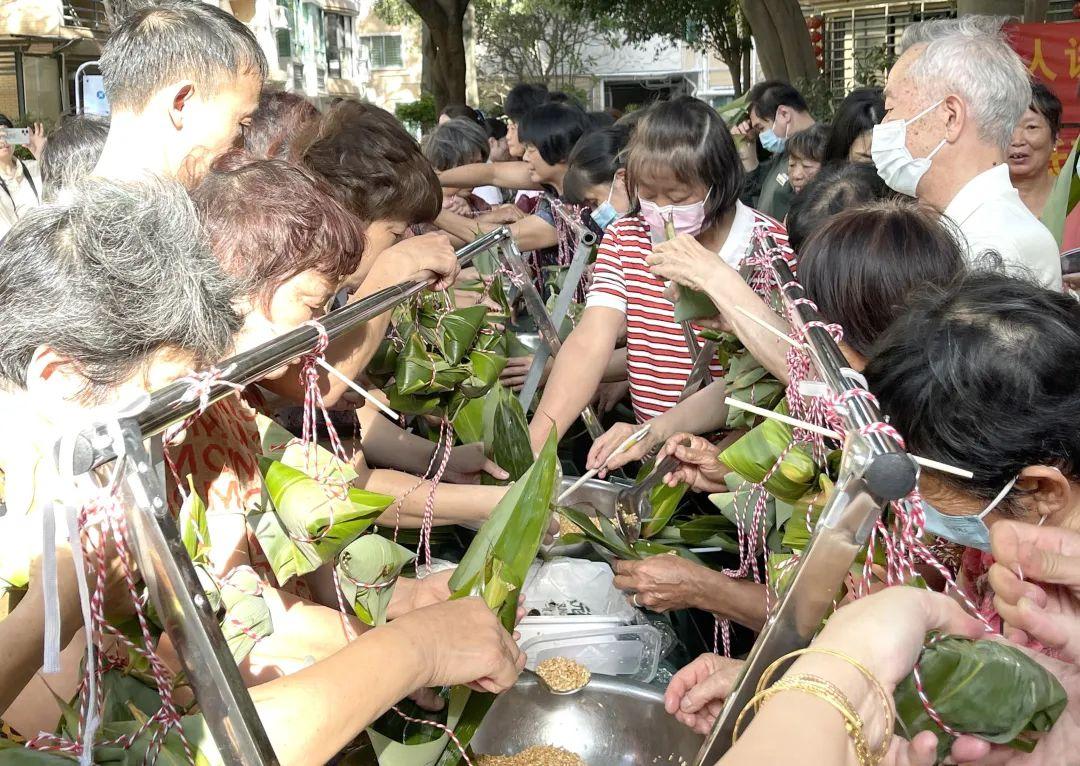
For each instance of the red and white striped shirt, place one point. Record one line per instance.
(658, 361)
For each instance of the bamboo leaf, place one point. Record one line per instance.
(468, 420)
(1063, 196)
(455, 331)
(486, 367)
(754, 454)
(506, 432)
(309, 522)
(247, 617)
(371, 560)
(191, 520)
(987, 688)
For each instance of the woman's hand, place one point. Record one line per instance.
(461, 642)
(684, 260)
(517, 369)
(37, 141)
(428, 257)
(468, 462)
(661, 583)
(609, 395)
(699, 463)
(697, 693)
(600, 453)
(457, 206)
(506, 213)
(1048, 612)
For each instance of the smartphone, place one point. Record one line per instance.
(1070, 262)
(20, 136)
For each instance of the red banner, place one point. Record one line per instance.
(1052, 55)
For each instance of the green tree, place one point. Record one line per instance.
(535, 41)
(714, 26)
(443, 45)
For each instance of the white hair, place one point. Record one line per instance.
(969, 57)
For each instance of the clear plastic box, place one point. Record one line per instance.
(631, 651)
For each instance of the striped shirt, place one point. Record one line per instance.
(658, 361)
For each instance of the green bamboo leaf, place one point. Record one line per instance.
(371, 560)
(172, 749)
(308, 522)
(455, 331)
(987, 688)
(692, 305)
(754, 454)
(279, 444)
(1063, 197)
(468, 420)
(191, 520)
(506, 432)
(415, 367)
(411, 405)
(665, 501)
(247, 617)
(384, 363)
(486, 367)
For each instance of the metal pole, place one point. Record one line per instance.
(875, 470)
(548, 333)
(586, 242)
(166, 406)
(185, 612)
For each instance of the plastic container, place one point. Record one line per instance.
(626, 651)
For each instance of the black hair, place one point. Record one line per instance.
(836, 187)
(457, 142)
(553, 129)
(687, 138)
(983, 375)
(766, 97)
(176, 40)
(457, 111)
(810, 144)
(523, 98)
(601, 120)
(562, 97)
(5, 121)
(859, 112)
(72, 152)
(495, 128)
(1048, 105)
(864, 263)
(594, 160)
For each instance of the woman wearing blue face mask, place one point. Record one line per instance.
(595, 176)
(984, 376)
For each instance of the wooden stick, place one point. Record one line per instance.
(630, 441)
(925, 462)
(358, 389)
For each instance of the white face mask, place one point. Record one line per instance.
(893, 160)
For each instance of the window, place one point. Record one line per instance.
(339, 51)
(384, 51)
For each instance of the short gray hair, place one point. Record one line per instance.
(108, 275)
(969, 56)
(456, 142)
(72, 152)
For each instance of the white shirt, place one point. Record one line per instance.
(490, 194)
(21, 195)
(993, 220)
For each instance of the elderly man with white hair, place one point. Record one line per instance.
(951, 103)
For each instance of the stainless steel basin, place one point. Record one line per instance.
(610, 722)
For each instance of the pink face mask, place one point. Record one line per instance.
(686, 219)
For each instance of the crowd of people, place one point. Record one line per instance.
(209, 214)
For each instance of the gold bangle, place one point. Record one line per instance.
(886, 702)
(827, 692)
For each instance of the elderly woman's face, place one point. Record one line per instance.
(1031, 147)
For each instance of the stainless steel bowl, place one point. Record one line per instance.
(610, 722)
(595, 496)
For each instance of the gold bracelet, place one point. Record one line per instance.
(827, 692)
(886, 702)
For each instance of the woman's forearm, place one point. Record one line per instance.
(578, 370)
(468, 504)
(530, 233)
(332, 701)
(22, 636)
(739, 600)
(506, 175)
(702, 413)
(729, 292)
(616, 366)
(387, 445)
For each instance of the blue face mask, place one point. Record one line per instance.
(969, 530)
(605, 213)
(771, 142)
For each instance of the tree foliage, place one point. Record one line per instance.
(535, 41)
(714, 26)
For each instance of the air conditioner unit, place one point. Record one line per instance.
(279, 17)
